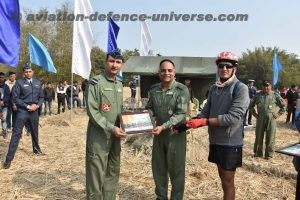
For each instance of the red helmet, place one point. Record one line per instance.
(227, 56)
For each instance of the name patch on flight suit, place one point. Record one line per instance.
(106, 107)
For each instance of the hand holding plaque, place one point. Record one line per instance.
(133, 123)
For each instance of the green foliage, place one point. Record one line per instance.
(57, 36)
(258, 65)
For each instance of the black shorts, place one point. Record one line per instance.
(228, 158)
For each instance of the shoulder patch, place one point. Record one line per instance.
(93, 81)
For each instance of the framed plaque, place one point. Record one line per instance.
(133, 123)
(291, 150)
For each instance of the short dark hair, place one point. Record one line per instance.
(2, 74)
(11, 73)
(60, 82)
(166, 60)
(116, 54)
(293, 86)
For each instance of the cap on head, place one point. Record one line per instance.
(26, 67)
(116, 54)
(251, 80)
(227, 56)
(266, 83)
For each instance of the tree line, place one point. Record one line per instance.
(57, 37)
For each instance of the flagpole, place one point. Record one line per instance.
(71, 99)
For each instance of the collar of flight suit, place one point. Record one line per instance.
(172, 86)
(105, 74)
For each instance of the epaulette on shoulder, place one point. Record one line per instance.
(95, 80)
(154, 86)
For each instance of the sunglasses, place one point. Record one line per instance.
(228, 66)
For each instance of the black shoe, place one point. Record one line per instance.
(39, 153)
(6, 164)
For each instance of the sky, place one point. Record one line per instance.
(271, 23)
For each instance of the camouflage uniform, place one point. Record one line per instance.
(266, 104)
(104, 106)
(169, 150)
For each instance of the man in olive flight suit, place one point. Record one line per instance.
(266, 102)
(104, 105)
(168, 101)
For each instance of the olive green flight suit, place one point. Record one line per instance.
(169, 150)
(266, 109)
(104, 105)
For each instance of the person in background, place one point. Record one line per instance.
(223, 113)
(49, 96)
(187, 83)
(76, 91)
(266, 115)
(283, 92)
(68, 94)
(132, 86)
(252, 91)
(168, 101)
(28, 96)
(84, 87)
(292, 96)
(204, 101)
(11, 106)
(4, 103)
(61, 97)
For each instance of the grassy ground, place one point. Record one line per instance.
(61, 173)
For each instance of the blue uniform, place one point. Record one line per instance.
(25, 93)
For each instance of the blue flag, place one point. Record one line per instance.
(9, 32)
(113, 31)
(39, 54)
(277, 67)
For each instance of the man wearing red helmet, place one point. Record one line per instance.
(223, 113)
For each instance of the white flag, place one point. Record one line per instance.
(82, 40)
(146, 39)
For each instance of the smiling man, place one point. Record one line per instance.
(223, 113)
(168, 101)
(104, 105)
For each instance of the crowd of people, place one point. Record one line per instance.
(22, 101)
(228, 108)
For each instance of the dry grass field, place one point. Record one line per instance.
(61, 173)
